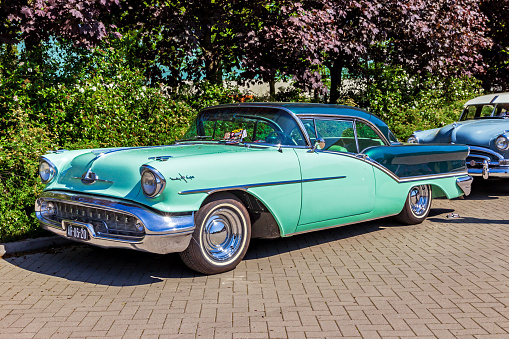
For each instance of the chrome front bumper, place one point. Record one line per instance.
(486, 171)
(486, 163)
(161, 232)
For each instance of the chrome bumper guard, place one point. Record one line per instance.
(465, 184)
(487, 163)
(159, 232)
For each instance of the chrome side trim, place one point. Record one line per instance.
(100, 153)
(433, 176)
(465, 183)
(248, 186)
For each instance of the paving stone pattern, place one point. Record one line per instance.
(445, 278)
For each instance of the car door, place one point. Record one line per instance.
(336, 181)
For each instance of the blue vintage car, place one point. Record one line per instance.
(245, 171)
(484, 127)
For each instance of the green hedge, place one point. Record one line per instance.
(40, 115)
(99, 100)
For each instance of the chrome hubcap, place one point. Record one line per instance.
(419, 200)
(222, 233)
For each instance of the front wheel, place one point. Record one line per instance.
(417, 205)
(221, 237)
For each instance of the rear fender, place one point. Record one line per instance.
(406, 161)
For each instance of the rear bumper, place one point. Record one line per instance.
(159, 232)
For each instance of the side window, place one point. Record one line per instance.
(262, 132)
(502, 110)
(484, 111)
(468, 113)
(366, 136)
(338, 135)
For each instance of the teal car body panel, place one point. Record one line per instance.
(288, 184)
(483, 124)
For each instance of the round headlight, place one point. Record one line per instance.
(413, 140)
(502, 143)
(46, 171)
(152, 182)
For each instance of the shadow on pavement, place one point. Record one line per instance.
(114, 267)
(111, 267)
(488, 189)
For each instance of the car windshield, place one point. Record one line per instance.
(485, 111)
(263, 125)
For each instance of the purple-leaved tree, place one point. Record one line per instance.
(496, 56)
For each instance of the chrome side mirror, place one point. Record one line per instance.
(319, 144)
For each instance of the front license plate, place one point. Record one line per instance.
(77, 232)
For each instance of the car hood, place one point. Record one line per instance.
(472, 132)
(117, 170)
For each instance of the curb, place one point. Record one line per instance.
(31, 244)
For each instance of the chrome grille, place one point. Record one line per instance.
(105, 222)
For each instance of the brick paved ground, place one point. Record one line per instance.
(443, 278)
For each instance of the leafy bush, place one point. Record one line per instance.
(42, 110)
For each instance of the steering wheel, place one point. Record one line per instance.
(282, 136)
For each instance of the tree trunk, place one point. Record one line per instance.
(213, 71)
(335, 79)
(272, 88)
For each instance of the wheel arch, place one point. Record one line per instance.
(263, 222)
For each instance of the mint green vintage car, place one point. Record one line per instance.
(245, 171)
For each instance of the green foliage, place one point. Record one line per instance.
(42, 110)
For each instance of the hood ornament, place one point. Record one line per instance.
(89, 178)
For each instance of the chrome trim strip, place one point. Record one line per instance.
(322, 179)
(465, 184)
(248, 186)
(394, 176)
(355, 135)
(99, 154)
(433, 176)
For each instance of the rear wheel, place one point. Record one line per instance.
(417, 205)
(221, 237)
